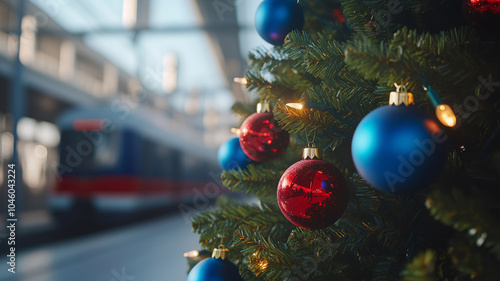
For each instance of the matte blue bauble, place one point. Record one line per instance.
(274, 19)
(212, 269)
(231, 156)
(399, 149)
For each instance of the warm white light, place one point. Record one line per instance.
(7, 139)
(191, 254)
(40, 151)
(296, 105)
(7, 145)
(129, 15)
(34, 163)
(445, 114)
(239, 80)
(263, 265)
(28, 39)
(236, 131)
(47, 134)
(67, 56)
(26, 128)
(169, 75)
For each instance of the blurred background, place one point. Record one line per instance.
(113, 112)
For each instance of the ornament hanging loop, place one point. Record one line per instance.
(310, 143)
(311, 151)
(220, 253)
(398, 87)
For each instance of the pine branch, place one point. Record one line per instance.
(471, 260)
(378, 61)
(218, 226)
(317, 54)
(388, 268)
(352, 103)
(369, 199)
(463, 213)
(421, 268)
(243, 110)
(281, 88)
(304, 121)
(443, 59)
(375, 18)
(255, 179)
(264, 257)
(270, 59)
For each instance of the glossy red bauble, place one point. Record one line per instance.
(261, 138)
(313, 194)
(482, 13)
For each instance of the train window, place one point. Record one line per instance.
(90, 152)
(158, 160)
(195, 168)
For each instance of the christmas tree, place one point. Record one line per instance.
(333, 73)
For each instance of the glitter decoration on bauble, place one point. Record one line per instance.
(398, 148)
(274, 19)
(312, 193)
(484, 14)
(231, 156)
(261, 138)
(216, 268)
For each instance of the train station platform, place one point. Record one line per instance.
(151, 250)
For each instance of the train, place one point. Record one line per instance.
(115, 163)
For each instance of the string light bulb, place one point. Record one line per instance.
(323, 107)
(295, 105)
(240, 80)
(236, 131)
(446, 115)
(444, 112)
(262, 264)
(191, 254)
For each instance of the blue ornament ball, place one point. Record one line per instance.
(231, 156)
(274, 19)
(212, 269)
(399, 149)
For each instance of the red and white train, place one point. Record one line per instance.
(121, 162)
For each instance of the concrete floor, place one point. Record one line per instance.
(147, 251)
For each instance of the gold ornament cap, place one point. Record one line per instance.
(310, 153)
(264, 106)
(400, 96)
(220, 253)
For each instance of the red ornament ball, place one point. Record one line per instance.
(313, 194)
(482, 13)
(261, 138)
